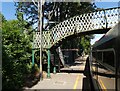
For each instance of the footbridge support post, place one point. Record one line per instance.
(48, 66)
(54, 69)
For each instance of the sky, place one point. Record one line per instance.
(8, 10)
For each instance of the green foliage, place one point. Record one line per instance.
(16, 51)
(85, 41)
(2, 19)
(28, 11)
(53, 11)
(35, 69)
(15, 42)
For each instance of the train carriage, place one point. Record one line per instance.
(105, 61)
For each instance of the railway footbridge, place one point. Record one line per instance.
(94, 22)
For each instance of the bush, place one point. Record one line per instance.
(16, 51)
(35, 69)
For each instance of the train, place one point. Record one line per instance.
(104, 61)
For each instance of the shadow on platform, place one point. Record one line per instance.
(72, 71)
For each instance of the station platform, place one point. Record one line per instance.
(61, 81)
(66, 80)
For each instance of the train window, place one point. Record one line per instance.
(93, 54)
(108, 58)
(100, 56)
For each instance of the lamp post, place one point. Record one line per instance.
(40, 23)
(40, 30)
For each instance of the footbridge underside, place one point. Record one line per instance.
(90, 23)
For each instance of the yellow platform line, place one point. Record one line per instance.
(103, 86)
(76, 82)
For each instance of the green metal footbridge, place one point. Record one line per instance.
(90, 23)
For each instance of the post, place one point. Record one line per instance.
(59, 66)
(54, 69)
(48, 67)
(40, 30)
(33, 57)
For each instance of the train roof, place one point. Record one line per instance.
(112, 33)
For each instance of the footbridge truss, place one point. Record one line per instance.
(95, 21)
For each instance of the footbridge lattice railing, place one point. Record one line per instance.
(101, 19)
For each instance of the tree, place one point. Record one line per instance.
(16, 51)
(53, 11)
(2, 19)
(27, 9)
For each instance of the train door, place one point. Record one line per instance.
(106, 69)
